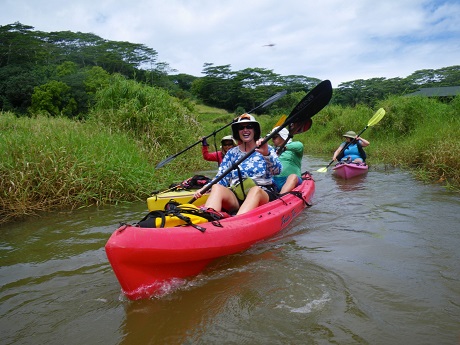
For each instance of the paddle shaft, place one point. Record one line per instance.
(311, 104)
(262, 105)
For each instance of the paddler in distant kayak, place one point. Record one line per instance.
(353, 151)
(260, 166)
(226, 143)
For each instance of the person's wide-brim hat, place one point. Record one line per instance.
(349, 134)
(245, 118)
(229, 138)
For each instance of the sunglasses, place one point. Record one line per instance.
(227, 144)
(249, 126)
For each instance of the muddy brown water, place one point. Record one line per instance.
(376, 260)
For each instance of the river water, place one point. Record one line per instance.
(376, 260)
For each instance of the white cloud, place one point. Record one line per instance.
(333, 39)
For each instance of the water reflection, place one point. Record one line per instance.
(373, 261)
(356, 183)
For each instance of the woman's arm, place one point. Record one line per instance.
(209, 156)
(363, 141)
(336, 153)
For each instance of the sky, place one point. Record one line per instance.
(328, 39)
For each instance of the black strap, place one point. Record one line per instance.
(297, 194)
(144, 223)
(240, 177)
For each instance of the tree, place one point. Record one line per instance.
(53, 98)
(217, 88)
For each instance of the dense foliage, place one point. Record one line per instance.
(417, 133)
(100, 115)
(51, 162)
(58, 73)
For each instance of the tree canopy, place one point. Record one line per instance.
(58, 73)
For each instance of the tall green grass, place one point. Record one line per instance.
(148, 114)
(49, 163)
(426, 134)
(416, 133)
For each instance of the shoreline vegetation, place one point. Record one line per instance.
(51, 163)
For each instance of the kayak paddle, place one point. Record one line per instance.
(311, 104)
(373, 121)
(266, 103)
(280, 121)
(295, 128)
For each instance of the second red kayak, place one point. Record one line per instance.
(350, 170)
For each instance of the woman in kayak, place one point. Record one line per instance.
(260, 166)
(353, 151)
(290, 155)
(227, 143)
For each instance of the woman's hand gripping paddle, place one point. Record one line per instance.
(295, 128)
(310, 105)
(373, 121)
(269, 101)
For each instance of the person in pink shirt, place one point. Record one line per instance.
(227, 143)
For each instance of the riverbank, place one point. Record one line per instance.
(52, 163)
(416, 133)
(49, 163)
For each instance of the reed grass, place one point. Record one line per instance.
(416, 133)
(49, 163)
(52, 163)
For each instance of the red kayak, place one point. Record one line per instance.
(147, 261)
(350, 170)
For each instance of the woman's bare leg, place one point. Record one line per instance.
(222, 198)
(256, 197)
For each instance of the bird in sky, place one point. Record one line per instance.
(269, 45)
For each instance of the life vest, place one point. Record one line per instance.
(360, 150)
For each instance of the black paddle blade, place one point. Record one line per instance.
(312, 103)
(300, 127)
(269, 101)
(165, 161)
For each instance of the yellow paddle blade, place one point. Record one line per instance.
(377, 117)
(280, 121)
(322, 170)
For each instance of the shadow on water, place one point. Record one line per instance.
(373, 261)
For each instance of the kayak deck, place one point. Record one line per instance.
(350, 170)
(159, 200)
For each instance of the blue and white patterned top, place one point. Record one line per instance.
(260, 168)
